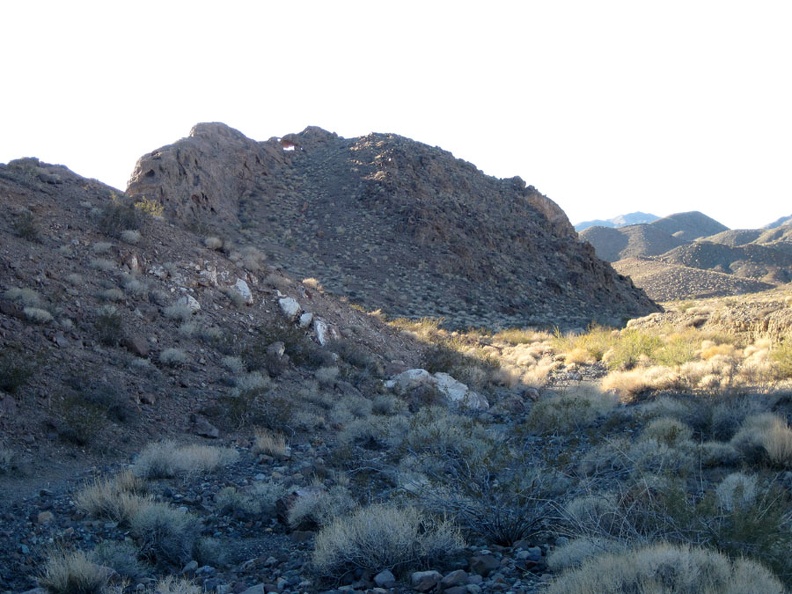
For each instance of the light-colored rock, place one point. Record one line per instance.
(289, 306)
(424, 581)
(322, 331)
(306, 319)
(458, 394)
(243, 289)
(455, 392)
(385, 579)
(190, 302)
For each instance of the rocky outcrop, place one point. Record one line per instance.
(391, 224)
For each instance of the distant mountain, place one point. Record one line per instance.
(688, 255)
(634, 218)
(779, 223)
(688, 226)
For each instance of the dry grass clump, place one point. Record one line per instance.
(37, 315)
(173, 357)
(576, 551)
(777, 440)
(270, 443)
(117, 498)
(319, 507)
(665, 568)
(73, 572)
(737, 491)
(166, 459)
(628, 384)
(381, 537)
(24, 297)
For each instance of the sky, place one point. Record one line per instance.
(606, 107)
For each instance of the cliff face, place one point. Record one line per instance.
(392, 224)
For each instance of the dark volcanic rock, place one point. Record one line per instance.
(392, 224)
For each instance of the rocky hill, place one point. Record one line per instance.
(689, 255)
(391, 224)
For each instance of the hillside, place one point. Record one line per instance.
(683, 245)
(391, 224)
(178, 414)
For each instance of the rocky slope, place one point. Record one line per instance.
(392, 224)
(689, 255)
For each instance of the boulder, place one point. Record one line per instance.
(290, 307)
(243, 289)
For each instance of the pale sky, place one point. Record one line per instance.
(607, 107)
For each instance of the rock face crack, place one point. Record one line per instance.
(392, 224)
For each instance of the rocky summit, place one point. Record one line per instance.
(391, 224)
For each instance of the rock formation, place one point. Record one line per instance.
(391, 224)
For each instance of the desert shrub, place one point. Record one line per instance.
(587, 347)
(736, 491)
(130, 236)
(25, 226)
(258, 500)
(149, 207)
(234, 364)
(777, 441)
(37, 315)
(781, 356)
(318, 507)
(381, 537)
(632, 346)
(121, 557)
(112, 294)
(578, 550)
(271, 443)
(119, 215)
(668, 431)
(134, 286)
(109, 325)
(118, 498)
(15, 370)
(102, 264)
(677, 349)
(213, 243)
(165, 535)
(166, 459)
(631, 382)
(178, 312)
(665, 568)
(24, 297)
(570, 411)
(751, 439)
(173, 357)
(73, 572)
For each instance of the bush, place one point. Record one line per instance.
(165, 536)
(109, 325)
(118, 216)
(117, 498)
(37, 315)
(72, 572)
(121, 557)
(173, 357)
(570, 411)
(664, 568)
(382, 537)
(631, 347)
(26, 227)
(166, 460)
(15, 370)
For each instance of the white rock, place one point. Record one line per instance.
(190, 302)
(458, 393)
(321, 331)
(243, 289)
(289, 307)
(306, 319)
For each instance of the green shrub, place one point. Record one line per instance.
(109, 325)
(570, 411)
(631, 347)
(121, 557)
(173, 357)
(382, 537)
